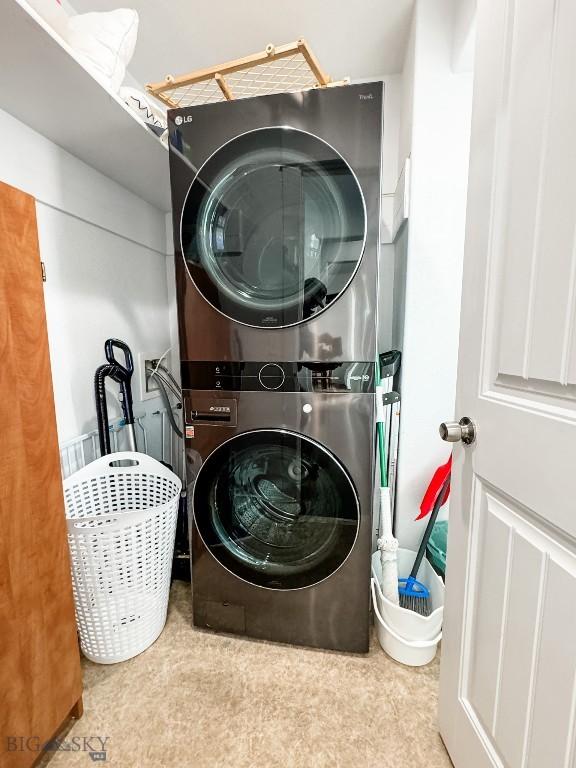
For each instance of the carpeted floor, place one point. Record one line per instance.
(199, 700)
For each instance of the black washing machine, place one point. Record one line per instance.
(276, 213)
(281, 459)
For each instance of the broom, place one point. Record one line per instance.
(414, 595)
(387, 544)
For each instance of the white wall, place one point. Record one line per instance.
(105, 255)
(464, 37)
(435, 130)
(390, 172)
(404, 145)
(392, 118)
(171, 289)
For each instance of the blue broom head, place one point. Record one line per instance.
(414, 596)
(410, 587)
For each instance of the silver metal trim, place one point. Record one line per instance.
(317, 445)
(352, 276)
(313, 393)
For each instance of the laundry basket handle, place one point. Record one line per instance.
(139, 462)
(122, 463)
(113, 520)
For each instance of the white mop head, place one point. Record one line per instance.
(388, 547)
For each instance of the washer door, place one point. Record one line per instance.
(273, 227)
(276, 509)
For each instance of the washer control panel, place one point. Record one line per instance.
(205, 408)
(271, 376)
(357, 376)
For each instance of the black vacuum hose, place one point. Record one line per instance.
(101, 409)
(162, 368)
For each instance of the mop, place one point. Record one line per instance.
(387, 544)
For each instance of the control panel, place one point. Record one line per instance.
(206, 409)
(278, 376)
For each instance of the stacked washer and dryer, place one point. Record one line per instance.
(276, 209)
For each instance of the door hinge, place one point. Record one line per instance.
(43, 268)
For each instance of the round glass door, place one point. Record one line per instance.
(273, 227)
(276, 509)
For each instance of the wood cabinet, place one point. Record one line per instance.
(40, 679)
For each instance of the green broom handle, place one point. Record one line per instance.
(380, 432)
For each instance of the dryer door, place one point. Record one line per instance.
(273, 227)
(276, 509)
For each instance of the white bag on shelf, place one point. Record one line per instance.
(104, 43)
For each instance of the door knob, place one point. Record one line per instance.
(456, 431)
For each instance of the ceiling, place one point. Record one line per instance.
(356, 38)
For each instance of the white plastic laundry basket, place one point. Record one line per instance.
(121, 512)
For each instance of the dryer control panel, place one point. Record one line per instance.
(344, 377)
(205, 408)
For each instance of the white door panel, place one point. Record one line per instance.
(517, 676)
(508, 677)
(540, 446)
(552, 738)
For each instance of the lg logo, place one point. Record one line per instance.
(179, 119)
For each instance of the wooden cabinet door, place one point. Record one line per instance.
(40, 680)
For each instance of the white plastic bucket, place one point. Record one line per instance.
(409, 624)
(413, 653)
(405, 635)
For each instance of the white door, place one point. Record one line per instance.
(508, 693)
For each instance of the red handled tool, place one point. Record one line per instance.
(436, 486)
